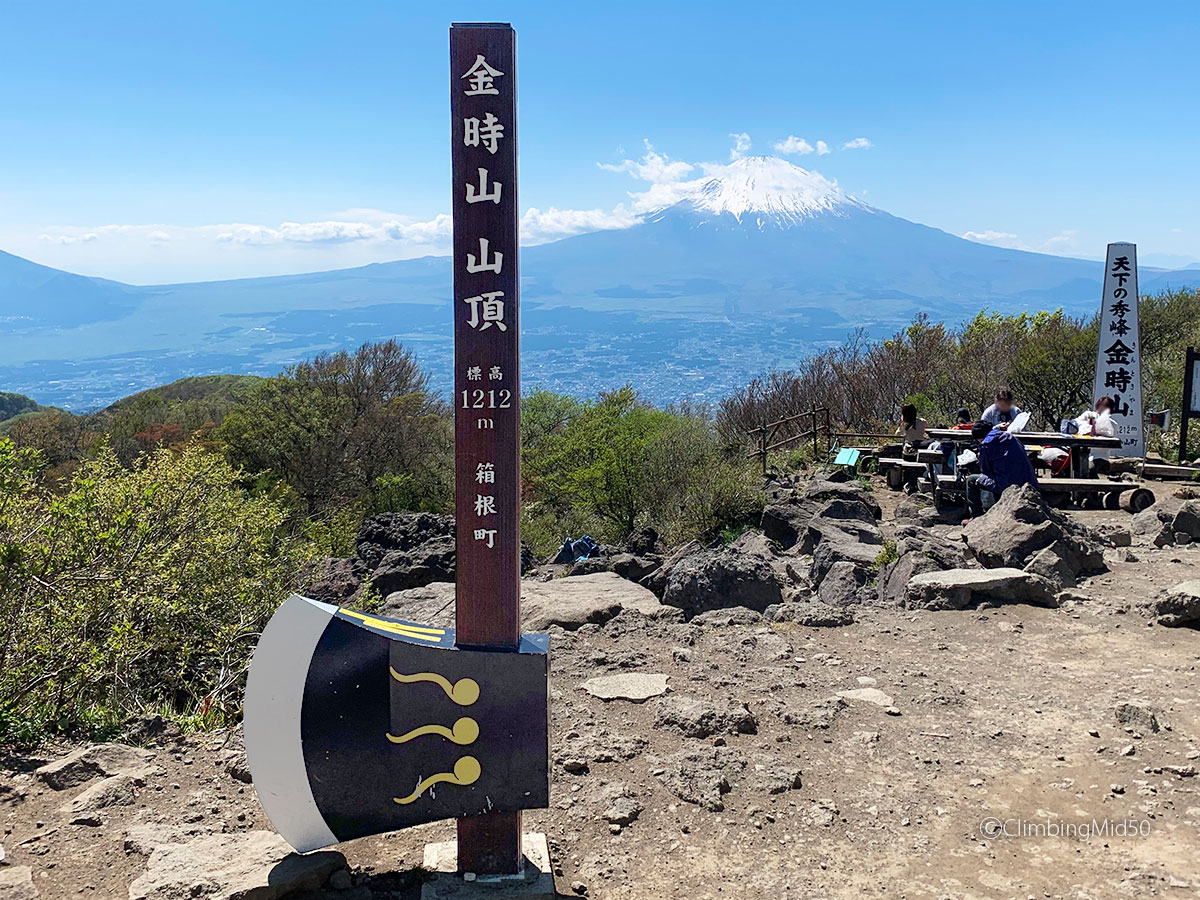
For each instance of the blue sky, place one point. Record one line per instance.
(158, 142)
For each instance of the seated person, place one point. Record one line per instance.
(912, 429)
(1003, 463)
(1001, 413)
(963, 420)
(1099, 423)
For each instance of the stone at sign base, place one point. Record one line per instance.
(535, 883)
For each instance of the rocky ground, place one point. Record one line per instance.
(862, 699)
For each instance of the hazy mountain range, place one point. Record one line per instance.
(751, 272)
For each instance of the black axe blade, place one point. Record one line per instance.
(358, 724)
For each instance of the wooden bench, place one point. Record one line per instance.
(900, 471)
(947, 485)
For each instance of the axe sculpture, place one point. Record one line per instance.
(358, 724)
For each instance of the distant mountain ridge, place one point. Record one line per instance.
(748, 272)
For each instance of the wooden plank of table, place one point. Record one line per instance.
(1032, 437)
(1088, 485)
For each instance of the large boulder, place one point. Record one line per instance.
(566, 602)
(824, 491)
(838, 520)
(430, 604)
(254, 865)
(627, 565)
(918, 550)
(1187, 520)
(1155, 524)
(892, 584)
(1021, 525)
(430, 561)
(1179, 605)
(387, 532)
(786, 521)
(644, 542)
(634, 567)
(787, 518)
(754, 543)
(837, 547)
(331, 579)
(920, 509)
(572, 602)
(846, 584)
(961, 588)
(715, 579)
(656, 581)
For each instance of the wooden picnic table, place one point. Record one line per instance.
(1039, 439)
(1128, 495)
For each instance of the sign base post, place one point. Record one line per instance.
(534, 878)
(490, 844)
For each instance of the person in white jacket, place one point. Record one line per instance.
(1098, 422)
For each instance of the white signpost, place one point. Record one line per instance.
(1118, 362)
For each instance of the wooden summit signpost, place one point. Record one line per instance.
(487, 378)
(358, 724)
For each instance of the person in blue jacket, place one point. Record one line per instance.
(1003, 463)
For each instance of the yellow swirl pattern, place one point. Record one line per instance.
(464, 731)
(466, 771)
(464, 692)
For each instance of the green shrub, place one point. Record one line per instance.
(886, 555)
(135, 589)
(617, 464)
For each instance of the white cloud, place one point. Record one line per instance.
(741, 145)
(1068, 237)
(538, 226)
(654, 167)
(68, 239)
(822, 148)
(793, 145)
(996, 239)
(857, 144)
(1064, 243)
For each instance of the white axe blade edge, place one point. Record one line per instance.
(271, 721)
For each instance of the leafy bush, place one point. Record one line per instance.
(619, 464)
(333, 427)
(136, 588)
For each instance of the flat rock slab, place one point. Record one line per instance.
(536, 882)
(1180, 605)
(116, 790)
(255, 865)
(16, 883)
(867, 695)
(633, 686)
(566, 602)
(96, 759)
(583, 599)
(960, 588)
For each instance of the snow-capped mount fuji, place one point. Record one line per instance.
(748, 270)
(763, 191)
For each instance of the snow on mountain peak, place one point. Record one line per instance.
(768, 191)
